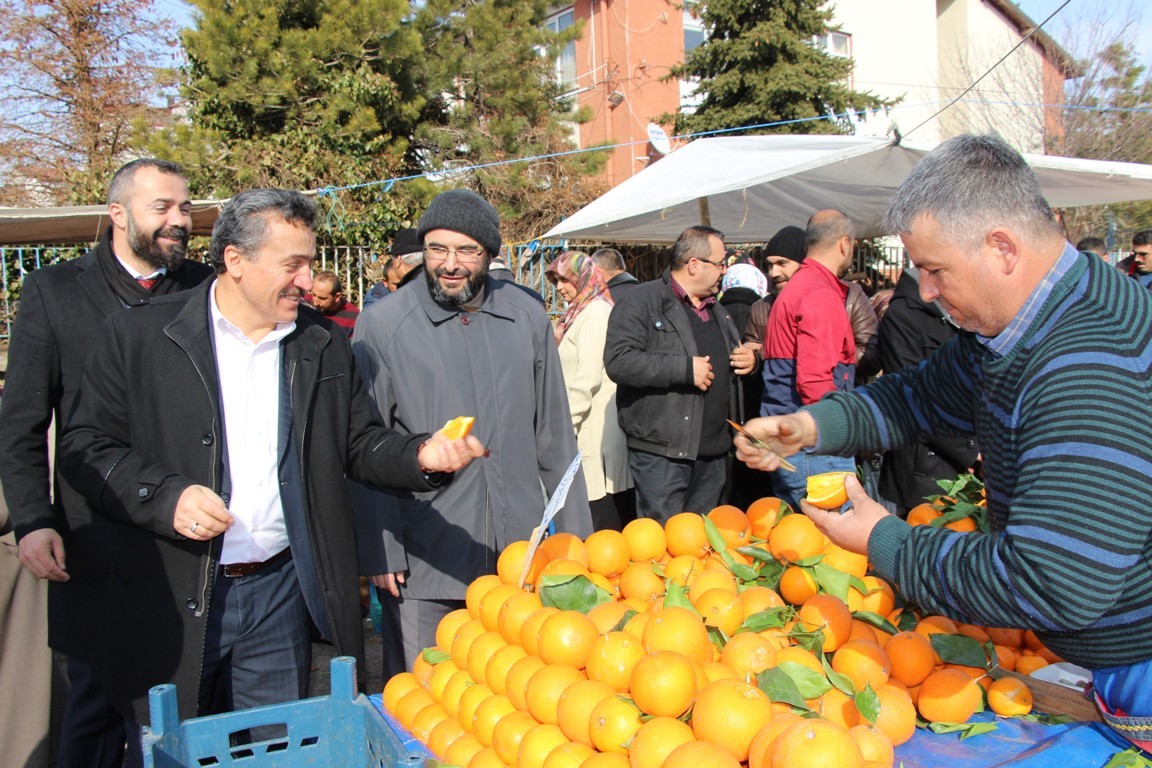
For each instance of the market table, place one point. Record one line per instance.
(1014, 742)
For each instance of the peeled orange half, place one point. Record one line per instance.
(826, 490)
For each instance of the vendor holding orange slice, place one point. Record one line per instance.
(1053, 377)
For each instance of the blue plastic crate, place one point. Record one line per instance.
(342, 729)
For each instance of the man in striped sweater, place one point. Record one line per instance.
(1052, 377)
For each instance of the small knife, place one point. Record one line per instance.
(784, 463)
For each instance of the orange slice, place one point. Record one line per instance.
(826, 490)
(459, 427)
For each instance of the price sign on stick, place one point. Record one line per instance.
(554, 504)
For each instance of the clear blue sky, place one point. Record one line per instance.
(1077, 21)
(1072, 26)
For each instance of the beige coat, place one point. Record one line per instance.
(592, 400)
(26, 672)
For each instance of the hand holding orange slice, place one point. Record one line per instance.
(826, 490)
(459, 427)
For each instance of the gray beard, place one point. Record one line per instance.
(468, 292)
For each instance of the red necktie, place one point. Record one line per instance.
(147, 283)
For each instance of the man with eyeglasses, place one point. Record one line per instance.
(809, 345)
(1139, 264)
(461, 343)
(675, 353)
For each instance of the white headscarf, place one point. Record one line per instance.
(745, 276)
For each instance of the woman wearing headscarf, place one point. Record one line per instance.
(742, 287)
(580, 334)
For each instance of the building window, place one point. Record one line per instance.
(835, 43)
(566, 61)
(694, 34)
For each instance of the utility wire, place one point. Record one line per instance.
(1003, 58)
(389, 183)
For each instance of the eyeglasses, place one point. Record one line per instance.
(465, 254)
(720, 265)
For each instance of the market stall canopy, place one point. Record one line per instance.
(80, 223)
(749, 187)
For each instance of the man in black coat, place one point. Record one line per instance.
(62, 308)
(620, 281)
(675, 355)
(909, 333)
(231, 528)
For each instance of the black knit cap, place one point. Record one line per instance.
(790, 242)
(463, 211)
(405, 241)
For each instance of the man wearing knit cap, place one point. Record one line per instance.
(495, 345)
(785, 253)
(404, 254)
(407, 256)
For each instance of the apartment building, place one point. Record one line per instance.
(923, 52)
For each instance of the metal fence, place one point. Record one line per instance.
(360, 267)
(877, 268)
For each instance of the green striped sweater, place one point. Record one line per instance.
(1064, 422)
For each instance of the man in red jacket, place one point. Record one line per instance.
(809, 348)
(328, 297)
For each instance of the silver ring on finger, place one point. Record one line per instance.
(193, 527)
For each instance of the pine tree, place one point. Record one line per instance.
(759, 65)
(76, 75)
(1109, 118)
(304, 94)
(493, 64)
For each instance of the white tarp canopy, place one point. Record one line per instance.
(80, 223)
(749, 187)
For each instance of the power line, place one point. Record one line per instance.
(389, 183)
(1002, 59)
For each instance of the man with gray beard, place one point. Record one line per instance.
(495, 345)
(62, 313)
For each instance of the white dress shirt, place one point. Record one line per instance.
(250, 395)
(137, 274)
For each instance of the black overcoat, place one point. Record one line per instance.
(909, 333)
(61, 312)
(147, 424)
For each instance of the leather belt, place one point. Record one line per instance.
(235, 570)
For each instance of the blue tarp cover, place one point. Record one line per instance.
(1014, 742)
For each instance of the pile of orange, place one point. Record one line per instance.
(666, 670)
(966, 510)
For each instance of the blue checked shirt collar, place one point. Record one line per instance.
(1004, 342)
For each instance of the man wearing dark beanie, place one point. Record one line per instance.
(784, 254)
(407, 257)
(496, 343)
